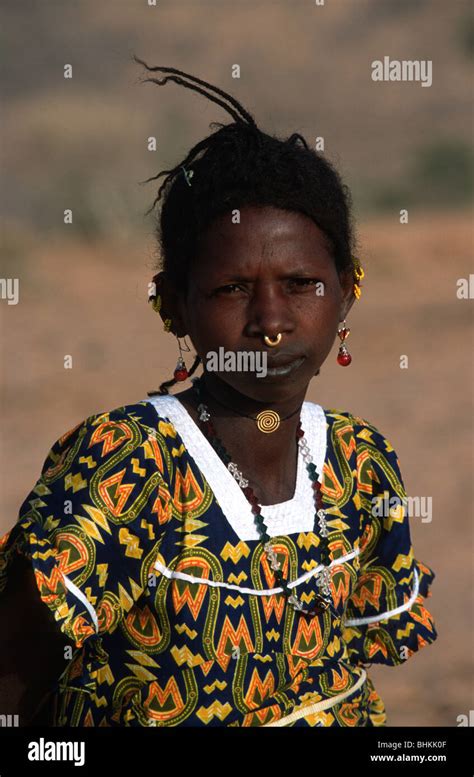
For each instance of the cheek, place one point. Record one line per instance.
(209, 327)
(319, 318)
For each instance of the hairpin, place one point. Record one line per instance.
(188, 174)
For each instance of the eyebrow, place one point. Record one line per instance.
(300, 271)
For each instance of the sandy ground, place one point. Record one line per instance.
(89, 300)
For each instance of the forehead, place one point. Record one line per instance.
(263, 233)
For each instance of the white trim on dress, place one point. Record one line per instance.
(173, 573)
(388, 613)
(310, 709)
(82, 598)
(293, 516)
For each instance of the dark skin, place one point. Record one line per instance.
(251, 279)
(280, 255)
(32, 654)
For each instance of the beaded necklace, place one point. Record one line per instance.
(323, 577)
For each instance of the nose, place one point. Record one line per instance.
(268, 312)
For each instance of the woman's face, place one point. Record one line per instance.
(258, 278)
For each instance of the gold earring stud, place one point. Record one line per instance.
(156, 303)
(358, 273)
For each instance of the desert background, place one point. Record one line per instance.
(82, 144)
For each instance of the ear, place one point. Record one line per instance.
(346, 279)
(170, 304)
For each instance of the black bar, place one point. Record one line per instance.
(130, 751)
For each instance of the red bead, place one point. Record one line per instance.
(248, 491)
(180, 375)
(344, 359)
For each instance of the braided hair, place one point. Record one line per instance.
(240, 165)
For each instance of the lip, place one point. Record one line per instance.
(282, 358)
(281, 369)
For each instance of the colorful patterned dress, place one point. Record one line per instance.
(145, 550)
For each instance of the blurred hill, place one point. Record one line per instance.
(82, 142)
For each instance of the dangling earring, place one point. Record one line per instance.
(343, 357)
(181, 371)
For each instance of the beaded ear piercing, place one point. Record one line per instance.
(343, 357)
(181, 371)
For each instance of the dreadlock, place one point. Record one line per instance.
(240, 165)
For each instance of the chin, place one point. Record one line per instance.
(268, 389)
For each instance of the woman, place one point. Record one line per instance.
(223, 556)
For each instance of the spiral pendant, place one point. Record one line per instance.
(268, 421)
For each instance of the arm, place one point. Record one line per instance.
(84, 542)
(386, 619)
(31, 649)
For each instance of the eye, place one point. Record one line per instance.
(304, 282)
(228, 289)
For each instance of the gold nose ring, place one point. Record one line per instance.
(272, 341)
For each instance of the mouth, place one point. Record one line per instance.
(284, 366)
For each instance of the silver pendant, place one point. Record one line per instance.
(323, 581)
(274, 563)
(243, 483)
(203, 414)
(295, 603)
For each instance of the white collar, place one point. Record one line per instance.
(293, 516)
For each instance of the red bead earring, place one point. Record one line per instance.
(181, 371)
(343, 357)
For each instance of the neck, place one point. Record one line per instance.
(269, 459)
(237, 404)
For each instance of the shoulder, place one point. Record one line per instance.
(352, 435)
(111, 434)
(366, 434)
(376, 461)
